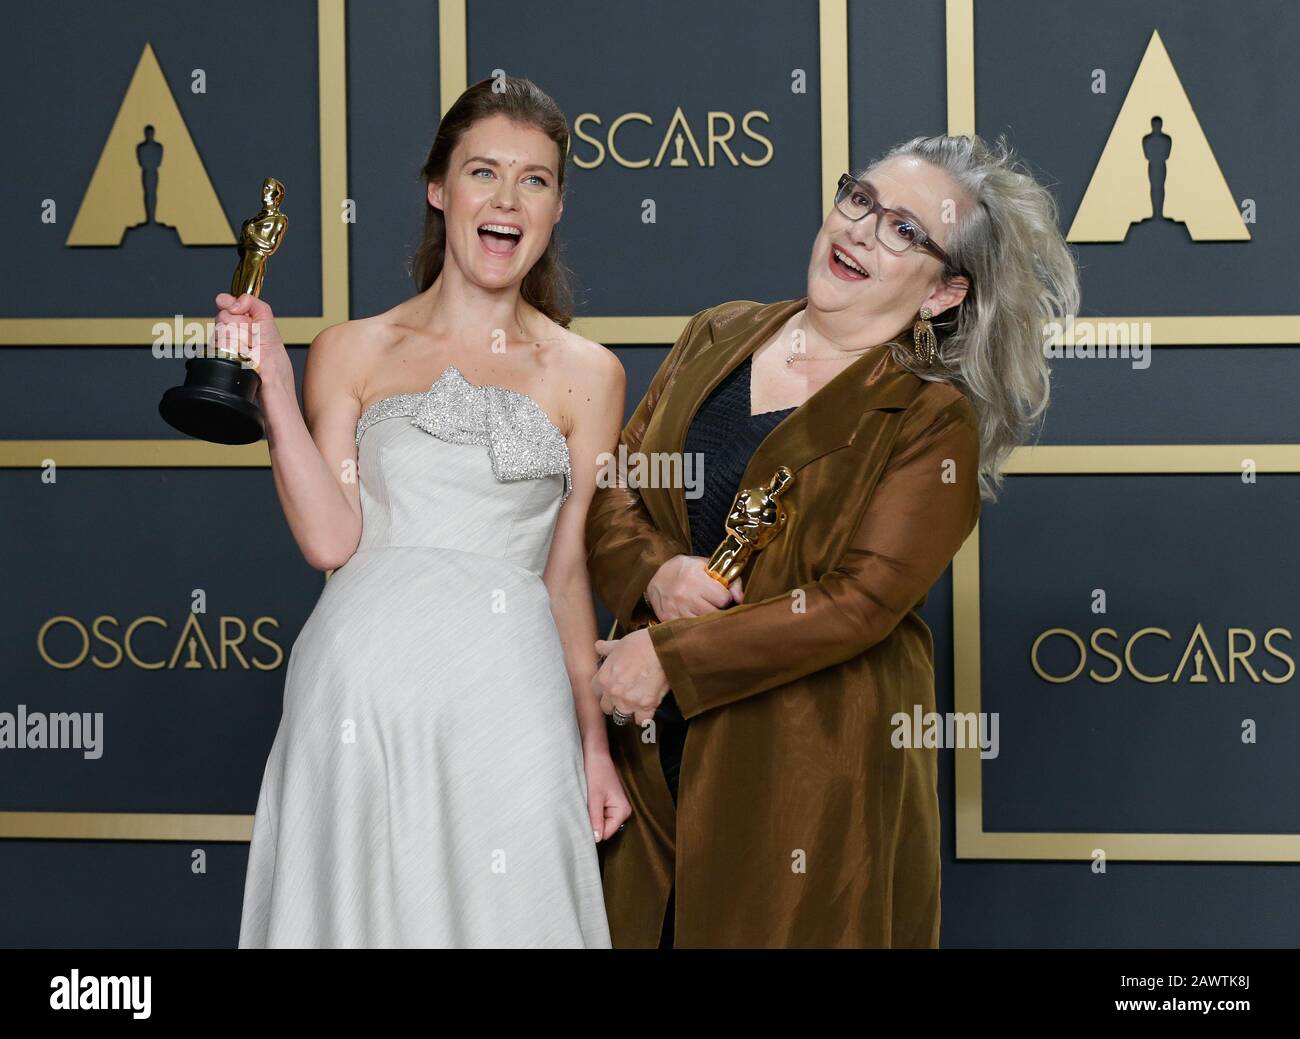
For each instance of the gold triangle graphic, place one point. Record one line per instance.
(115, 199)
(1195, 192)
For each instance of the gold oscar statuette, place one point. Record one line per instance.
(218, 402)
(757, 516)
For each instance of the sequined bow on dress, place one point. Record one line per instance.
(522, 441)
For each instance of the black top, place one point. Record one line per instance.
(724, 436)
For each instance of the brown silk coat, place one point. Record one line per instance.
(798, 823)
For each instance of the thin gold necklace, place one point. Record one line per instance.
(791, 356)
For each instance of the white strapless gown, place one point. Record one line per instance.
(426, 785)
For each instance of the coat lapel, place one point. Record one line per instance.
(828, 420)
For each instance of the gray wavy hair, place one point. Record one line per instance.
(1022, 275)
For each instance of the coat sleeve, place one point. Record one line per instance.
(624, 547)
(907, 534)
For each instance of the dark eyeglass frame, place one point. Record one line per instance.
(924, 241)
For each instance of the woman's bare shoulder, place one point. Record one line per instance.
(343, 356)
(590, 360)
(335, 342)
(591, 375)
(358, 346)
(582, 362)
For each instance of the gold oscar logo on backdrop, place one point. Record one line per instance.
(1157, 163)
(150, 172)
(709, 144)
(1237, 648)
(191, 647)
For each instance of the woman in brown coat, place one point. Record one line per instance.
(771, 806)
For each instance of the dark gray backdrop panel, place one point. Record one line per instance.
(1170, 551)
(258, 118)
(1033, 69)
(720, 233)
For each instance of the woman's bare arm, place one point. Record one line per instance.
(313, 451)
(599, 393)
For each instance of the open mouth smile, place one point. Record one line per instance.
(845, 267)
(500, 239)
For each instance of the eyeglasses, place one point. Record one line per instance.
(894, 231)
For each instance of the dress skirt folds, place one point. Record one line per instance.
(426, 784)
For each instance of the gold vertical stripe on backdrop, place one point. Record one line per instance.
(833, 29)
(332, 42)
(960, 33)
(969, 799)
(453, 53)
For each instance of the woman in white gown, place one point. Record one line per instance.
(441, 776)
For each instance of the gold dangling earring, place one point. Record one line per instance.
(924, 344)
